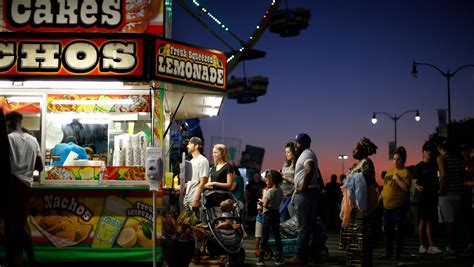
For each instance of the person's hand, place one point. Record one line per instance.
(288, 194)
(260, 201)
(210, 185)
(195, 204)
(301, 188)
(395, 177)
(418, 188)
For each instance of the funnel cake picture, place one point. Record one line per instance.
(139, 13)
(61, 228)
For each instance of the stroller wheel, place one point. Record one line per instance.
(323, 254)
(268, 254)
(238, 257)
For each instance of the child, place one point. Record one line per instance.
(226, 207)
(258, 223)
(271, 202)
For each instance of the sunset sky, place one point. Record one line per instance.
(355, 58)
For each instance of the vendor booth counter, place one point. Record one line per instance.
(92, 202)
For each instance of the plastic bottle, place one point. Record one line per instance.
(102, 174)
(175, 182)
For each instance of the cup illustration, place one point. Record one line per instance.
(86, 173)
(111, 221)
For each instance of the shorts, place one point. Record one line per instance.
(448, 209)
(258, 226)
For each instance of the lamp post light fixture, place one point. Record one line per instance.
(446, 74)
(342, 158)
(396, 118)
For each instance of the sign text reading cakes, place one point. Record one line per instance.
(65, 15)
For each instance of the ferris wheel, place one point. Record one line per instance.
(286, 22)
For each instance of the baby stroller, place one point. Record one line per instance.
(289, 235)
(226, 242)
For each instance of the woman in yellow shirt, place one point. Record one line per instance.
(396, 202)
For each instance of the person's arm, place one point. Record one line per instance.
(234, 185)
(199, 189)
(308, 173)
(417, 175)
(418, 188)
(265, 202)
(38, 161)
(402, 184)
(39, 164)
(442, 174)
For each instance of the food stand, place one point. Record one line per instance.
(114, 95)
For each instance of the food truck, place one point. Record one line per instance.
(97, 84)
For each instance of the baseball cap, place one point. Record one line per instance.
(303, 138)
(195, 140)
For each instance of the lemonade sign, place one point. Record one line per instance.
(138, 228)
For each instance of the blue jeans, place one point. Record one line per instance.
(393, 227)
(271, 220)
(305, 204)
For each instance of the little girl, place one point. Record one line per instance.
(271, 202)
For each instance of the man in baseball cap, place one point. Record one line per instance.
(303, 138)
(195, 140)
(305, 197)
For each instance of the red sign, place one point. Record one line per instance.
(130, 16)
(87, 55)
(190, 65)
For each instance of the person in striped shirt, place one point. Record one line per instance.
(450, 188)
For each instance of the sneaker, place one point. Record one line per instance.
(449, 253)
(434, 250)
(280, 261)
(260, 263)
(422, 249)
(469, 248)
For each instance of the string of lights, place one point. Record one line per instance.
(232, 60)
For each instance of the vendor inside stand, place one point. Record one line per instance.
(61, 151)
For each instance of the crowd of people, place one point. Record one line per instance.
(439, 187)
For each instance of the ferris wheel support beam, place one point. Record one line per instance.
(232, 63)
(187, 9)
(236, 56)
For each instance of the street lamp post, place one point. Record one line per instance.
(446, 74)
(342, 158)
(396, 118)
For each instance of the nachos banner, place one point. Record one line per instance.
(72, 55)
(115, 220)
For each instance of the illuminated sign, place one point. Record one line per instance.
(71, 56)
(178, 62)
(130, 16)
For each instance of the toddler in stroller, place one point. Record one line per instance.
(226, 207)
(222, 214)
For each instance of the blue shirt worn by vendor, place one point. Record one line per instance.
(62, 150)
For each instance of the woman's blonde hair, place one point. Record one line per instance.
(224, 152)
